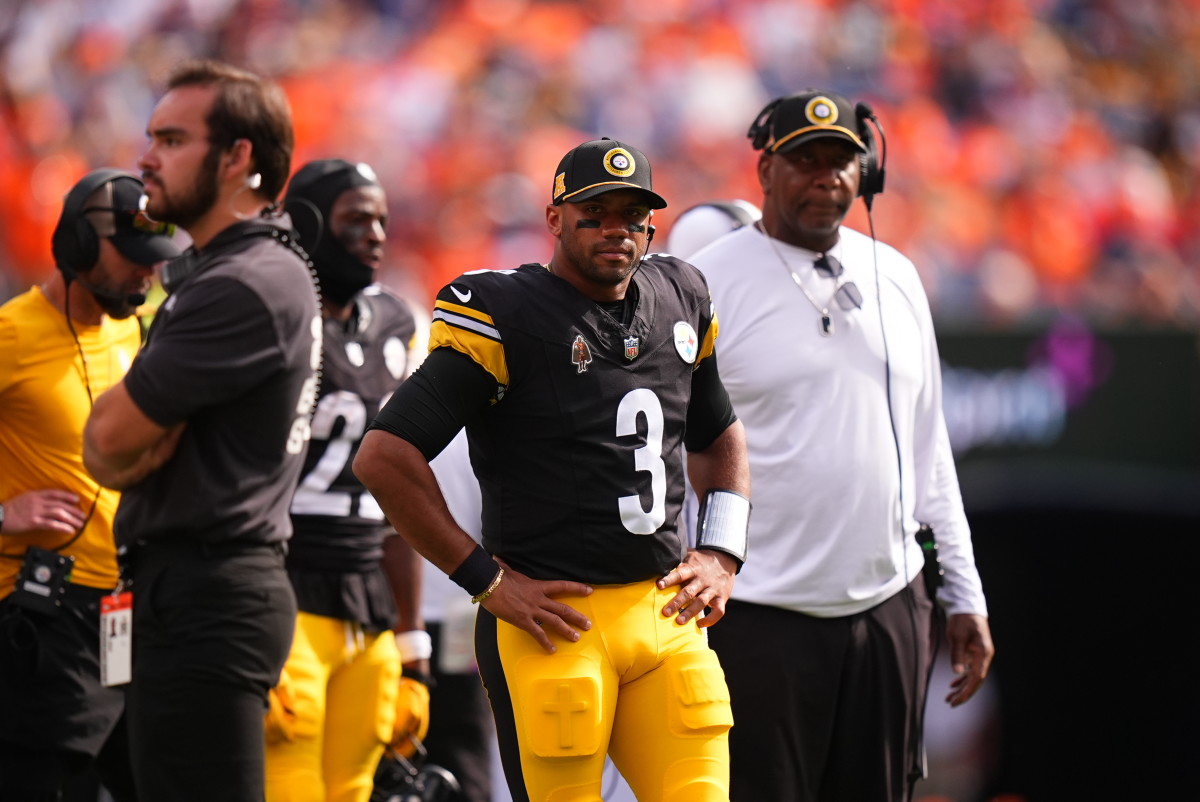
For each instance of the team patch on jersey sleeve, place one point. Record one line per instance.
(470, 332)
(690, 346)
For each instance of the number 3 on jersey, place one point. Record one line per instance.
(313, 495)
(647, 458)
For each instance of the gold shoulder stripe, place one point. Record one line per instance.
(464, 310)
(485, 350)
(710, 340)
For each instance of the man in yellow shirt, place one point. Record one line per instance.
(62, 344)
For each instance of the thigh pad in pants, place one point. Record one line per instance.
(557, 701)
(702, 697)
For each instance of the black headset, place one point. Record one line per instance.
(307, 221)
(75, 244)
(871, 164)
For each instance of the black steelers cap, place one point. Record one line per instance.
(805, 116)
(600, 166)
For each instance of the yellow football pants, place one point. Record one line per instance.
(644, 689)
(340, 686)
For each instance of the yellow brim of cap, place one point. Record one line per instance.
(833, 129)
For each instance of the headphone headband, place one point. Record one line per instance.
(75, 243)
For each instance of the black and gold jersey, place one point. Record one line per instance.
(338, 525)
(580, 454)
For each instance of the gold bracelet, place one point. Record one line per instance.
(491, 588)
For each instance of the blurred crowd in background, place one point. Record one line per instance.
(1042, 155)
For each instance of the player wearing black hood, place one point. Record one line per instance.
(342, 697)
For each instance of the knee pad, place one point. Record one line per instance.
(573, 793)
(698, 684)
(557, 702)
(697, 789)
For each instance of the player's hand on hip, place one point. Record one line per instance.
(705, 580)
(529, 605)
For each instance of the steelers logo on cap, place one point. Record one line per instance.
(821, 111)
(619, 162)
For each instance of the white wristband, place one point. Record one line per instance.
(724, 523)
(414, 645)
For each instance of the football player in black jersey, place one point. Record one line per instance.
(580, 383)
(336, 704)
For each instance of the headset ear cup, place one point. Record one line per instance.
(74, 243)
(307, 222)
(867, 167)
(866, 161)
(871, 170)
(65, 247)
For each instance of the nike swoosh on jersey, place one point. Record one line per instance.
(465, 297)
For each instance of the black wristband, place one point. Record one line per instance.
(476, 573)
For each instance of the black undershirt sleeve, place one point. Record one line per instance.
(444, 394)
(711, 411)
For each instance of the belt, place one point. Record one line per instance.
(72, 590)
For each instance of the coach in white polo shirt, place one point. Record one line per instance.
(828, 355)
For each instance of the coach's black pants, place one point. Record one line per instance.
(212, 627)
(57, 721)
(823, 708)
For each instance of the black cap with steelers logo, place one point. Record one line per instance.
(599, 166)
(804, 116)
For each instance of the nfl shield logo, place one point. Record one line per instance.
(631, 347)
